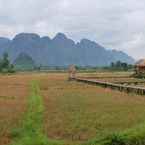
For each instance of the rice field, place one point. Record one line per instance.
(114, 77)
(73, 113)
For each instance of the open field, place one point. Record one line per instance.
(73, 112)
(114, 77)
(106, 74)
(13, 96)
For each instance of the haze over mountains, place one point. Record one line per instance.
(60, 51)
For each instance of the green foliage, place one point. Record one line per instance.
(5, 61)
(31, 132)
(134, 136)
(120, 66)
(5, 65)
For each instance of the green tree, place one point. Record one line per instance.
(5, 61)
(112, 65)
(5, 65)
(120, 66)
(125, 66)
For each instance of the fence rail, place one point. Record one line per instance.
(120, 87)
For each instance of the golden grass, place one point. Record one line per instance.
(78, 112)
(74, 112)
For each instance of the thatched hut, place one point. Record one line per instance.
(72, 72)
(140, 67)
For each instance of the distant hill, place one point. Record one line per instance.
(60, 51)
(24, 62)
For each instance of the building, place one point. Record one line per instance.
(140, 67)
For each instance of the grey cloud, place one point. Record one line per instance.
(112, 23)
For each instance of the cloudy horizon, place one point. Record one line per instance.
(114, 24)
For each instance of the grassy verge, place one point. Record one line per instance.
(134, 136)
(31, 131)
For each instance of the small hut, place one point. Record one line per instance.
(72, 72)
(140, 67)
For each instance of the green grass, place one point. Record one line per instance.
(133, 136)
(31, 131)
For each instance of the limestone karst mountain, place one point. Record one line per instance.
(60, 51)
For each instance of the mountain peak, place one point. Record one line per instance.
(60, 36)
(91, 43)
(61, 51)
(85, 41)
(26, 36)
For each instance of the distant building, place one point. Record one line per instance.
(140, 67)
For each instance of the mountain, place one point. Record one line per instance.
(24, 61)
(60, 51)
(4, 44)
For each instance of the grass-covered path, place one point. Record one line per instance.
(31, 131)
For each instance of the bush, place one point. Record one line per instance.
(134, 136)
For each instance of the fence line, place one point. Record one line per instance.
(120, 87)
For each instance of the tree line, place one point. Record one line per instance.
(7, 67)
(114, 66)
(118, 65)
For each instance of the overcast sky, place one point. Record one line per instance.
(116, 24)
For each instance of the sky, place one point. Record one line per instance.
(115, 24)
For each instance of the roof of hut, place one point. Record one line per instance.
(141, 62)
(72, 69)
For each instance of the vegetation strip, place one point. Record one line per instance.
(133, 136)
(31, 132)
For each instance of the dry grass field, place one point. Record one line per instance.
(73, 112)
(13, 94)
(114, 77)
(79, 112)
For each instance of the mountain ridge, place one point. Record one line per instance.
(60, 50)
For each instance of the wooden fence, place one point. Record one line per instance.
(120, 87)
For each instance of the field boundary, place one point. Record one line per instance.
(120, 87)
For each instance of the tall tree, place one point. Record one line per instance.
(5, 61)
